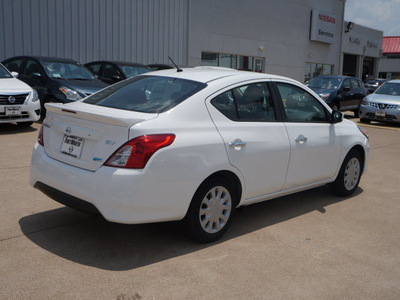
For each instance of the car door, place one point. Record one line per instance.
(346, 95)
(33, 74)
(255, 140)
(110, 73)
(315, 143)
(358, 91)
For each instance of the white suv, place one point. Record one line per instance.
(18, 101)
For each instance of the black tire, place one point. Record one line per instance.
(349, 175)
(24, 124)
(356, 114)
(208, 227)
(365, 121)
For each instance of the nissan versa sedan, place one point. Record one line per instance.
(18, 101)
(383, 105)
(193, 145)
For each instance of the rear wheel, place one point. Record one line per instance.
(349, 175)
(211, 210)
(356, 114)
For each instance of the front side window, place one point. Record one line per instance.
(31, 67)
(249, 103)
(148, 94)
(346, 84)
(300, 106)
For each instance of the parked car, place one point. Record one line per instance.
(194, 145)
(372, 84)
(18, 101)
(55, 79)
(157, 67)
(383, 105)
(339, 92)
(111, 72)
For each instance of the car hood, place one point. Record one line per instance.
(322, 91)
(86, 87)
(382, 98)
(13, 85)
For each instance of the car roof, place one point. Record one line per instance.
(394, 81)
(334, 76)
(126, 63)
(44, 58)
(208, 74)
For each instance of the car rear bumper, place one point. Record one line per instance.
(119, 195)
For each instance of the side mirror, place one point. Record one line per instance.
(15, 74)
(37, 76)
(336, 116)
(116, 78)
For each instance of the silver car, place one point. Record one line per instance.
(383, 105)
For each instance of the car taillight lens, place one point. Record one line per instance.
(136, 153)
(40, 136)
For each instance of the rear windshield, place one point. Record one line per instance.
(148, 94)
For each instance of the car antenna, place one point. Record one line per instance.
(177, 68)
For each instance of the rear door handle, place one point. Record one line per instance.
(301, 139)
(237, 143)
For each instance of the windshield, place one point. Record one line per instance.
(389, 88)
(131, 71)
(324, 83)
(148, 94)
(4, 73)
(67, 71)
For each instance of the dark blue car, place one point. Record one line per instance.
(339, 92)
(55, 79)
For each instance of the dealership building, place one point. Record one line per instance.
(294, 38)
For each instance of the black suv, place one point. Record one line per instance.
(339, 92)
(55, 79)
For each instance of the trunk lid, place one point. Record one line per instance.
(85, 135)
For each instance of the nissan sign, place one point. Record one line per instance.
(323, 26)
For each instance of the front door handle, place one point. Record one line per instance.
(301, 139)
(237, 143)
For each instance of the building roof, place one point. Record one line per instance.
(391, 44)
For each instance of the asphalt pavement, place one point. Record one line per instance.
(310, 245)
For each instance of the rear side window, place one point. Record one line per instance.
(249, 103)
(95, 68)
(148, 94)
(14, 65)
(355, 84)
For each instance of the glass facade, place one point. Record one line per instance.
(240, 62)
(313, 69)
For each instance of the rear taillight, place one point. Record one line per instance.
(40, 136)
(136, 153)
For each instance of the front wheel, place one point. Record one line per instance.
(211, 210)
(349, 175)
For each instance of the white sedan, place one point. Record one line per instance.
(18, 101)
(194, 145)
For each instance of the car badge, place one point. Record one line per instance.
(382, 106)
(11, 99)
(68, 130)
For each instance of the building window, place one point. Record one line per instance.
(240, 62)
(391, 56)
(313, 70)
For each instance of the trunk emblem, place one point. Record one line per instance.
(68, 130)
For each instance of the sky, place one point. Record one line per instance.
(376, 14)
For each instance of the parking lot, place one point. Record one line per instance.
(311, 245)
